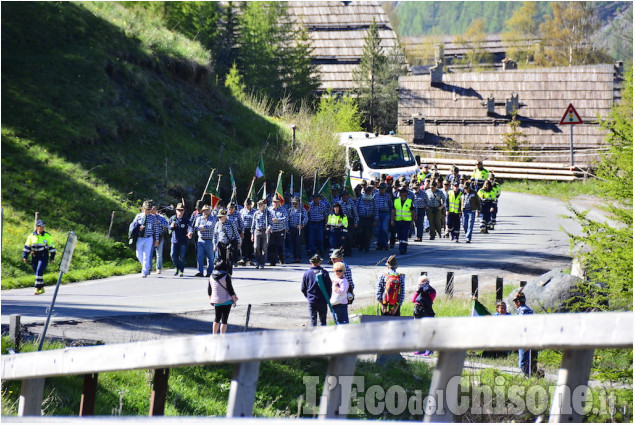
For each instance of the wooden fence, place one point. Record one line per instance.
(558, 171)
(577, 334)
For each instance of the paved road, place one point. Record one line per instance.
(528, 241)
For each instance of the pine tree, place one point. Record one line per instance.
(473, 40)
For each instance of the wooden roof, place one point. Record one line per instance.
(337, 30)
(454, 110)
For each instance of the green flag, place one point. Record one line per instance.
(325, 191)
(348, 187)
(479, 309)
(260, 169)
(279, 189)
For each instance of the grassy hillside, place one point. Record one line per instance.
(102, 108)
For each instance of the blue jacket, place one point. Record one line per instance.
(310, 287)
(181, 227)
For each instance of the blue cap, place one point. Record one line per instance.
(39, 223)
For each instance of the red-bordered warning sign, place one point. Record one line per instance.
(571, 116)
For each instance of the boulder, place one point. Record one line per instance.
(548, 293)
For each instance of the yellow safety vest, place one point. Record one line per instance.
(403, 212)
(454, 202)
(487, 195)
(480, 174)
(36, 244)
(337, 221)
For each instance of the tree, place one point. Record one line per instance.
(367, 74)
(274, 54)
(226, 52)
(566, 36)
(606, 249)
(474, 40)
(197, 20)
(521, 33)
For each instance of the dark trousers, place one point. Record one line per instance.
(419, 223)
(315, 310)
(39, 264)
(295, 238)
(486, 215)
(403, 230)
(454, 225)
(247, 247)
(434, 216)
(365, 232)
(177, 253)
(316, 237)
(276, 247)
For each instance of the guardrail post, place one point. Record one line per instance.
(499, 289)
(443, 400)
(89, 395)
(335, 400)
(15, 331)
(571, 386)
(242, 391)
(159, 392)
(449, 284)
(31, 396)
(475, 286)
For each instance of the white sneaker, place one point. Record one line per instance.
(158, 271)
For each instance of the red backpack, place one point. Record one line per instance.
(392, 288)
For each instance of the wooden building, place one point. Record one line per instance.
(337, 30)
(473, 110)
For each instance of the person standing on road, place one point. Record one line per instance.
(367, 212)
(402, 215)
(311, 281)
(497, 190)
(163, 225)
(297, 221)
(350, 211)
(40, 246)
(318, 212)
(453, 211)
(339, 297)
(337, 227)
(247, 250)
(470, 206)
(436, 200)
(178, 226)
(384, 202)
(279, 220)
(488, 199)
(527, 359)
(260, 230)
(204, 225)
(479, 176)
(237, 220)
(226, 239)
(221, 294)
(149, 231)
(391, 289)
(420, 204)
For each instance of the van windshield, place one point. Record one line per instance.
(388, 156)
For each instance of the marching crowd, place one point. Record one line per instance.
(391, 210)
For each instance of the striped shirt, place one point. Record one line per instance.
(225, 232)
(435, 199)
(281, 216)
(318, 212)
(297, 217)
(248, 217)
(421, 200)
(367, 209)
(384, 202)
(261, 221)
(238, 220)
(350, 210)
(349, 276)
(152, 229)
(208, 223)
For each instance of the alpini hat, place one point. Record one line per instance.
(39, 223)
(222, 213)
(338, 253)
(180, 206)
(315, 259)
(205, 207)
(392, 260)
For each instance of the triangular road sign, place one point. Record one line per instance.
(571, 116)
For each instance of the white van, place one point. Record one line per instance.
(369, 155)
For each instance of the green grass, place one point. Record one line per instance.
(564, 191)
(101, 110)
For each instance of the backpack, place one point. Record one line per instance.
(392, 289)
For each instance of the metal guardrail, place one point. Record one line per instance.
(509, 169)
(577, 334)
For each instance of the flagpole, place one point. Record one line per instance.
(291, 185)
(315, 177)
(301, 203)
(253, 180)
(208, 180)
(218, 183)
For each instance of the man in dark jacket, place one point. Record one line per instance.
(312, 291)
